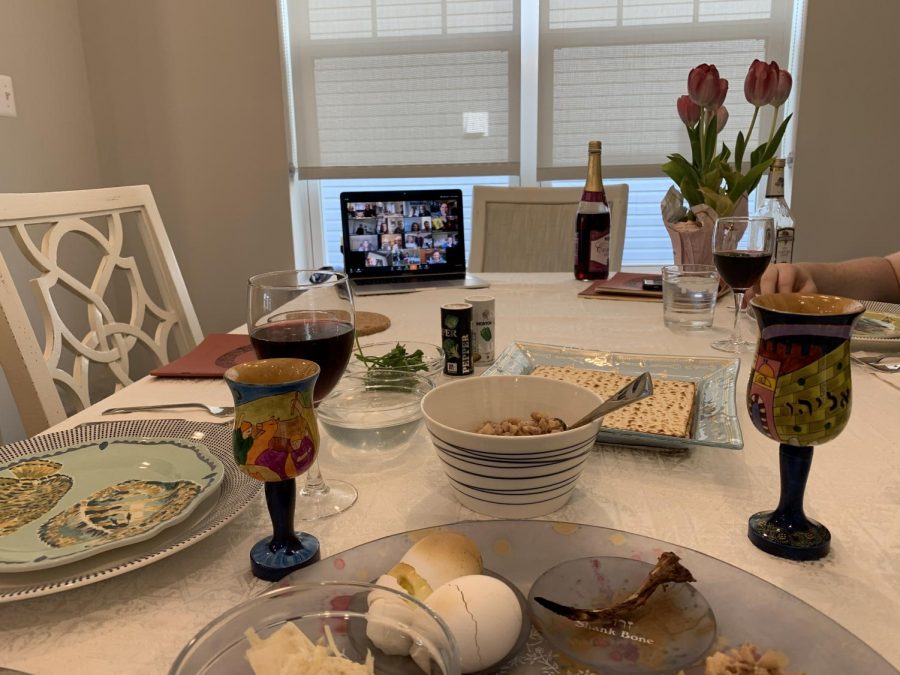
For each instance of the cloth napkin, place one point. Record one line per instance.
(211, 358)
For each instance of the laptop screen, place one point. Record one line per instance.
(403, 233)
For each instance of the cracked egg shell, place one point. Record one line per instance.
(441, 557)
(483, 614)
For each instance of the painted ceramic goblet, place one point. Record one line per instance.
(275, 439)
(799, 395)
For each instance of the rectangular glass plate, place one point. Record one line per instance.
(715, 421)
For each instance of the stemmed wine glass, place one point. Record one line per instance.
(307, 314)
(742, 249)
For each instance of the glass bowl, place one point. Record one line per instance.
(375, 410)
(338, 608)
(432, 356)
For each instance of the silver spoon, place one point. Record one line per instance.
(639, 388)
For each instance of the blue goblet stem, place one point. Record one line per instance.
(287, 550)
(281, 497)
(786, 532)
(794, 462)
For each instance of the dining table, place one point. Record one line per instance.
(697, 497)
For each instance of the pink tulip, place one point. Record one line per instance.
(760, 83)
(721, 118)
(688, 111)
(782, 89)
(720, 96)
(704, 85)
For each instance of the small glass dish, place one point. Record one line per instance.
(673, 630)
(375, 410)
(336, 608)
(432, 357)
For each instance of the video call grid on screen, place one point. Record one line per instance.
(402, 232)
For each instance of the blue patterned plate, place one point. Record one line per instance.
(74, 502)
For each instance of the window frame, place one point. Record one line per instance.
(308, 192)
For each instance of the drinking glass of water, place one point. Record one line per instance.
(689, 296)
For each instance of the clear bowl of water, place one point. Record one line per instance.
(423, 358)
(375, 410)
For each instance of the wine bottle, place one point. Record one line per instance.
(592, 224)
(776, 207)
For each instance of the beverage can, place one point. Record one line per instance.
(482, 329)
(456, 338)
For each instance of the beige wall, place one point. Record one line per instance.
(845, 194)
(188, 98)
(185, 96)
(51, 144)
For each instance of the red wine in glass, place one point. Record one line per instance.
(742, 248)
(307, 314)
(741, 269)
(327, 342)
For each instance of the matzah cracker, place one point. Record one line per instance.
(668, 411)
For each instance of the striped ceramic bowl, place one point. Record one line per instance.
(510, 476)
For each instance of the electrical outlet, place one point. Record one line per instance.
(7, 99)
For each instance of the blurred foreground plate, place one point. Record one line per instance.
(747, 609)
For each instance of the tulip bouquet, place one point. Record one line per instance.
(708, 178)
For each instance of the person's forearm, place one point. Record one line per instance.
(862, 279)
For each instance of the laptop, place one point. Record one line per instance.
(398, 241)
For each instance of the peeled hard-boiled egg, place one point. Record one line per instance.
(483, 614)
(387, 610)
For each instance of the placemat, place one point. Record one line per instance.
(220, 351)
(211, 358)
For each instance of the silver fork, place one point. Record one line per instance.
(874, 362)
(218, 411)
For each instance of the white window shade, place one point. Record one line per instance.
(613, 69)
(406, 88)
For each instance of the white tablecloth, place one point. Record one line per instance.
(138, 622)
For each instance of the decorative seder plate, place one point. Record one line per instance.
(746, 608)
(877, 330)
(68, 504)
(224, 502)
(715, 420)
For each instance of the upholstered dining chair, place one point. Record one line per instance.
(523, 229)
(91, 298)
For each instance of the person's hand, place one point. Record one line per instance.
(784, 278)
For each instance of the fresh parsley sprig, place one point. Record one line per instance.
(396, 359)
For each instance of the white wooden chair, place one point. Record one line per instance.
(523, 229)
(106, 297)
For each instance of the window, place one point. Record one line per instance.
(400, 94)
(393, 88)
